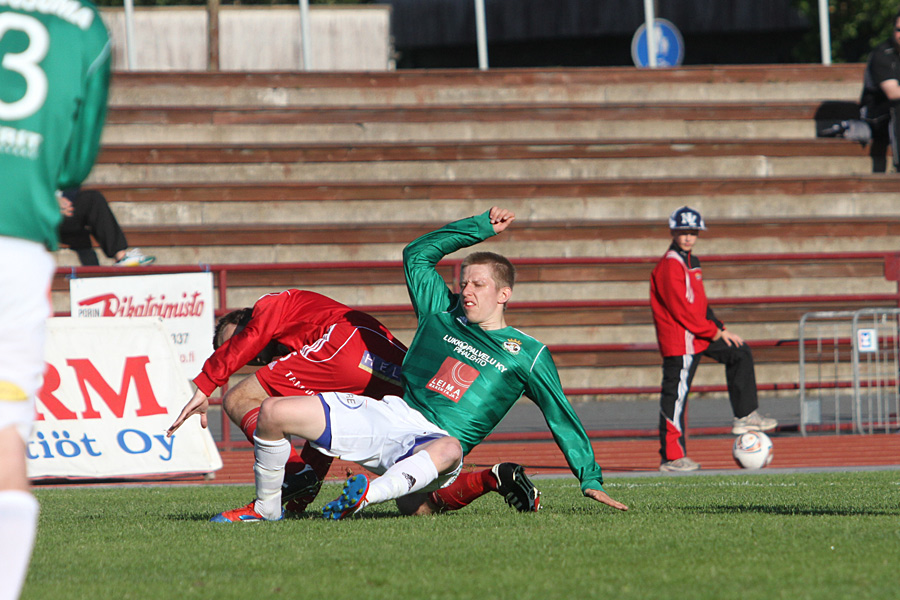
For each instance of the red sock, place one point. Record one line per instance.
(467, 487)
(248, 426)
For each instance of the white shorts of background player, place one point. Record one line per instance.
(25, 275)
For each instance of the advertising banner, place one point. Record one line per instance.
(184, 301)
(112, 388)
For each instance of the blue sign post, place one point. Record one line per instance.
(669, 45)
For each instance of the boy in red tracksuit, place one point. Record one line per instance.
(687, 329)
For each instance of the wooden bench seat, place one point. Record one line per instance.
(670, 188)
(219, 154)
(494, 113)
(403, 233)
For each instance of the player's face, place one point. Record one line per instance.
(226, 333)
(482, 300)
(685, 238)
(896, 34)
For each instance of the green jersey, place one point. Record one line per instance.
(465, 379)
(54, 81)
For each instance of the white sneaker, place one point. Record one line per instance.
(680, 465)
(135, 258)
(753, 422)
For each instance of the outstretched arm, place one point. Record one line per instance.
(198, 405)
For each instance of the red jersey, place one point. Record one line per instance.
(684, 323)
(334, 348)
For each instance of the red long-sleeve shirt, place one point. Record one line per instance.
(299, 320)
(684, 323)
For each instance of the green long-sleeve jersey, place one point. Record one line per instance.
(465, 379)
(54, 81)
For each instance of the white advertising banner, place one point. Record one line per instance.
(112, 388)
(183, 300)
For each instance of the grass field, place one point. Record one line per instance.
(833, 535)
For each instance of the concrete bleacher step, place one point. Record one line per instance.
(566, 280)
(533, 200)
(191, 125)
(477, 161)
(725, 83)
(286, 243)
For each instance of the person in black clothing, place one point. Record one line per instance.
(86, 213)
(880, 101)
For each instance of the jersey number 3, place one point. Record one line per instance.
(26, 64)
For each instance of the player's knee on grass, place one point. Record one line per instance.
(416, 505)
(445, 453)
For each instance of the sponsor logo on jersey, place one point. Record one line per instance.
(473, 354)
(20, 142)
(513, 346)
(453, 379)
(380, 368)
(293, 380)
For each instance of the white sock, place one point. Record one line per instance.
(269, 471)
(405, 477)
(18, 524)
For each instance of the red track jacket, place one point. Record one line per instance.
(684, 322)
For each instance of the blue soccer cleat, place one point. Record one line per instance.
(244, 514)
(351, 500)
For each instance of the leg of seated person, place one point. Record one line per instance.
(73, 234)
(101, 222)
(895, 135)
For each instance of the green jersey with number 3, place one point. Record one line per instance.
(465, 379)
(54, 82)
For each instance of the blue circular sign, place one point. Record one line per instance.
(669, 45)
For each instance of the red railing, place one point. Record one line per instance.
(891, 261)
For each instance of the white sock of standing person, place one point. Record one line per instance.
(18, 523)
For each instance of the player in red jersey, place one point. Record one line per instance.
(308, 343)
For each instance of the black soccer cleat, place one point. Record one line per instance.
(514, 485)
(300, 485)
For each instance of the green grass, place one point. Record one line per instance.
(833, 535)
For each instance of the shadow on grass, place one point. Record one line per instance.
(304, 516)
(777, 509)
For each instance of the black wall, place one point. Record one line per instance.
(523, 33)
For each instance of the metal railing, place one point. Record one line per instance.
(856, 361)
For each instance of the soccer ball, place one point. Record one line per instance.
(752, 450)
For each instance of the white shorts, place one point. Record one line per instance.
(376, 434)
(26, 272)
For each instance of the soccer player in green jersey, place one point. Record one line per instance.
(466, 367)
(464, 371)
(54, 81)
